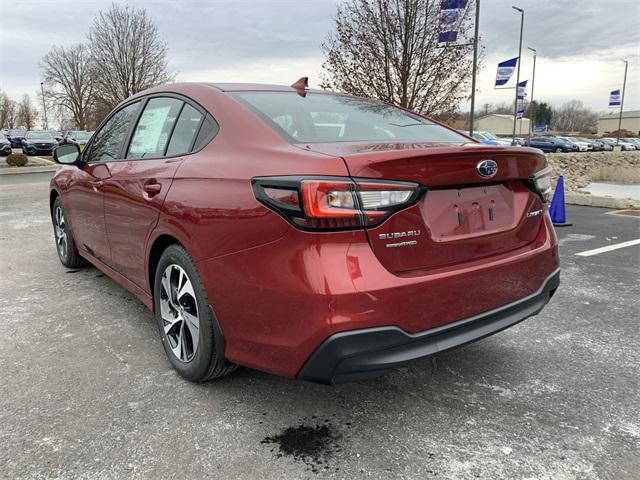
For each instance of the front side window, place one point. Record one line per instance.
(185, 131)
(156, 123)
(325, 117)
(108, 141)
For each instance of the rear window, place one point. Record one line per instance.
(324, 117)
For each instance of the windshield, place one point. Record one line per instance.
(39, 136)
(81, 136)
(322, 117)
(490, 136)
(2, 137)
(16, 132)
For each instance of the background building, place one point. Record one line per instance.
(500, 124)
(630, 121)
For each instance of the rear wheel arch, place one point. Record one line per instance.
(52, 198)
(159, 245)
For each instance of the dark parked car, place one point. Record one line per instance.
(58, 136)
(38, 143)
(552, 144)
(15, 136)
(262, 235)
(77, 137)
(5, 145)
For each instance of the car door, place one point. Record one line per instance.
(84, 198)
(544, 145)
(139, 182)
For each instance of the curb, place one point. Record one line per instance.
(597, 201)
(21, 170)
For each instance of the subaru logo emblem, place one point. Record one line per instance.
(487, 168)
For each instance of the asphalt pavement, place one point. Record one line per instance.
(87, 392)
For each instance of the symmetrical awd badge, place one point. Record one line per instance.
(487, 168)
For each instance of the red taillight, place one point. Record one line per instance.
(335, 203)
(540, 183)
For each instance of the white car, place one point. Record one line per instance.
(582, 146)
(626, 146)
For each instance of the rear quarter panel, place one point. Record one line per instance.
(211, 207)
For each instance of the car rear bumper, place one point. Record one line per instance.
(365, 353)
(278, 303)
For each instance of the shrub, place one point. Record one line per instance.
(17, 159)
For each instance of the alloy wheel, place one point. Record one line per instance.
(60, 227)
(179, 312)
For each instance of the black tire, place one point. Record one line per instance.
(65, 245)
(207, 361)
(559, 150)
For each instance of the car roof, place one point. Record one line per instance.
(257, 87)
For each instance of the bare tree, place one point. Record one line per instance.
(70, 85)
(389, 49)
(573, 116)
(7, 111)
(26, 113)
(127, 54)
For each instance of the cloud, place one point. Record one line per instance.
(276, 41)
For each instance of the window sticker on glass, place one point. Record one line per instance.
(153, 129)
(148, 131)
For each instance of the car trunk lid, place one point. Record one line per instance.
(463, 216)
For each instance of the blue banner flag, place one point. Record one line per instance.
(614, 98)
(520, 114)
(521, 88)
(451, 12)
(540, 128)
(505, 71)
(447, 37)
(453, 4)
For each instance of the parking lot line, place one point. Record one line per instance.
(608, 248)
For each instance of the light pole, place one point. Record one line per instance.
(44, 107)
(515, 107)
(624, 85)
(533, 83)
(474, 68)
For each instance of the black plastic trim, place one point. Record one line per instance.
(218, 337)
(366, 353)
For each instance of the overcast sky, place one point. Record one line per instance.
(579, 42)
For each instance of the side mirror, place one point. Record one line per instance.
(67, 155)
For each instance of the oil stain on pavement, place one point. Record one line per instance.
(312, 444)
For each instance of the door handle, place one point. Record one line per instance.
(97, 184)
(152, 188)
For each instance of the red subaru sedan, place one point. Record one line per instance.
(310, 234)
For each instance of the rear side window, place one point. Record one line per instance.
(154, 128)
(186, 129)
(325, 117)
(208, 130)
(108, 141)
